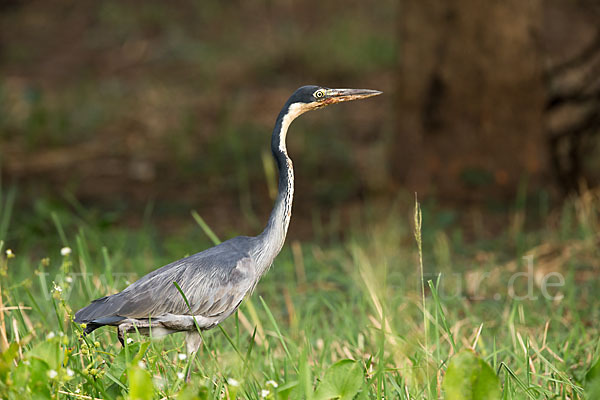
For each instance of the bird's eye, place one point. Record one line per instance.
(319, 94)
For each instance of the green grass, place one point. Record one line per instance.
(367, 298)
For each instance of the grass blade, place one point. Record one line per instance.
(209, 232)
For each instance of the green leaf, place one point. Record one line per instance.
(142, 350)
(116, 373)
(6, 360)
(341, 381)
(20, 375)
(284, 392)
(49, 351)
(468, 377)
(38, 379)
(119, 365)
(592, 381)
(188, 393)
(140, 383)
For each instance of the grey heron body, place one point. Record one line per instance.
(216, 280)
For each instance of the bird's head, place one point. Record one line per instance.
(309, 98)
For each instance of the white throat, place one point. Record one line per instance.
(294, 112)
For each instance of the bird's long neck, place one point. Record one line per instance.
(273, 237)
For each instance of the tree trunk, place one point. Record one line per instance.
(470, 98)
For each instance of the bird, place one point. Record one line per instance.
(216, 280)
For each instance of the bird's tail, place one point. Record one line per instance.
(100, 312)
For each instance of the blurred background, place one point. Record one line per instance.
(132, 111)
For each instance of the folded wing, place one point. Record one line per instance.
(214, 282)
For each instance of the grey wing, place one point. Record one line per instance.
(213, 286)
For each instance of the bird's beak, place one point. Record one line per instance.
(333, 96)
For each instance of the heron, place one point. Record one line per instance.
(216, 280)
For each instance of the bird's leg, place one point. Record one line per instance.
(143, 327)
(121, 330)
(193, 340)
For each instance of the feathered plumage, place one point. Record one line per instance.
(216, 280)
